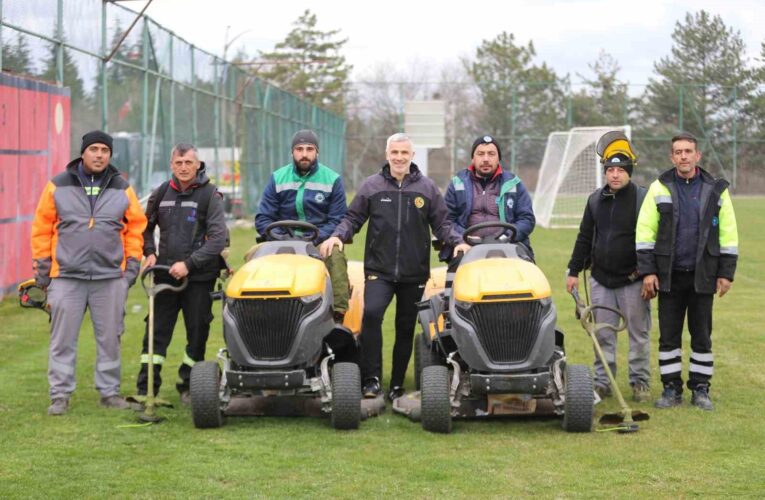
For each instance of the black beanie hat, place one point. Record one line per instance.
(95, 137)
(485, 139)
(620, 160)
(305, 137)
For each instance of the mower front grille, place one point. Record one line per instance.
(507, 330)
(268, 327)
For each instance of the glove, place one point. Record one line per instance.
(42, 281)
(132, 266)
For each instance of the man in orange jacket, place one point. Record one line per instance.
(87, 242)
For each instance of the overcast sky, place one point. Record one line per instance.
(568, 35)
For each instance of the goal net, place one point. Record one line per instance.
(570, 171)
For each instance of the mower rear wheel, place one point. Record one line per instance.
(205, 395)
(424, 356)
(346, 396)
(580, 401)
(436, 407)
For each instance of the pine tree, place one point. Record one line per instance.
(308, 63)
(16, 57)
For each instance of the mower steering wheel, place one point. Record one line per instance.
(290, 228)
(155, 289)
(495, 238)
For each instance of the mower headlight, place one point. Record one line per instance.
(308, 299)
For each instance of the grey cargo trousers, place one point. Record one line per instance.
(68, 299)
(638, 312)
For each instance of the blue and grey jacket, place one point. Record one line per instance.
(514, 202)
(317, 197)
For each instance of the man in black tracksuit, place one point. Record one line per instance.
(192, 233)
(402, 206)
(606, 243)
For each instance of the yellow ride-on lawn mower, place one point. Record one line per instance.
(283, 348)
(490, 346)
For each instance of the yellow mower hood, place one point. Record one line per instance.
(500, 280)
(278, 276)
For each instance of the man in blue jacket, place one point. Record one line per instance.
(308, 191)
(485, 192)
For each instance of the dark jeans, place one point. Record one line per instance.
(196, 304)
(378, 294)
(673, 306)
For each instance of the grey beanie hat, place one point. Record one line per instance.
(305, 137)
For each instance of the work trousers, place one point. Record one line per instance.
(68, 300)
(638, 313)
(337, 266)
(674, 305)
(378, 294)
(196, 303)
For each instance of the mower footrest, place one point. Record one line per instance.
(522, 383)
(272, 379)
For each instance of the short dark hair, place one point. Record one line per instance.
(182, 148)
(684, 136)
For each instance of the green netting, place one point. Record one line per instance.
(158, 90)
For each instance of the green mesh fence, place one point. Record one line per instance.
(157, 90)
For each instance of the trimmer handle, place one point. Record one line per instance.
(585, 315)
(153, 290)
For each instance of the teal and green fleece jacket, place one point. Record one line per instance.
(317, 197)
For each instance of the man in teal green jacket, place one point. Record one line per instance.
(308, 191)
(687, 247)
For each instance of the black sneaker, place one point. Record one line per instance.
(700, 398)
(670, 397)
(395, 392)
(371, 388)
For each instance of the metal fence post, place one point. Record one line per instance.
(1, 35)
(680, 108)
(193, 98)
(104, 80)
(172, 93)
(735, 138)
(145, 106)
(60, 43)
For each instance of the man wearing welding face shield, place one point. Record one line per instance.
(606, 244)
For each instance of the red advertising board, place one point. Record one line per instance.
(34, 145)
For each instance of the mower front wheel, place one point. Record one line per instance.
(580, 401)
(346, 396)
(205, 395)
(436, 408)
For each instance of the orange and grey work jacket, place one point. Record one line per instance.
(72, 240)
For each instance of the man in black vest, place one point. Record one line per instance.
(192, 233)
(606, 243)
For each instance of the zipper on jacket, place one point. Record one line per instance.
(92, 220)
(398, 230)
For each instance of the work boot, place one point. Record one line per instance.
(603, 391)
(58, 406)
(700, 398)
(395, 392)
(339, 317)
(186, 398)
(641, 393)
(116, 402)
(371, 388)
(670, 397)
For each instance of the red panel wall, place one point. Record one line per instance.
(34, 145)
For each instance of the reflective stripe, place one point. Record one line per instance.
(192, 204)
(729, 250)
(673, 368)
(644, 245)
(61, 367)
(702, 356)
(662, 199)
(167, 203)
(704, 370)
(317, 186)
(459, 187)
(187, 360)
(92, 190)
(719, 202)
(109, 365)
(158, 359)
(675, 353)
(287, 186)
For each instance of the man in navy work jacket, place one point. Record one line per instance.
(402, 206)
(308, 191)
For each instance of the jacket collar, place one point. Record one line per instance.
(474, 175)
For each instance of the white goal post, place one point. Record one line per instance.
(570, 171)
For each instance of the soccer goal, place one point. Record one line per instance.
(570, 171)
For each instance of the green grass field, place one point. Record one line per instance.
(680, 452)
